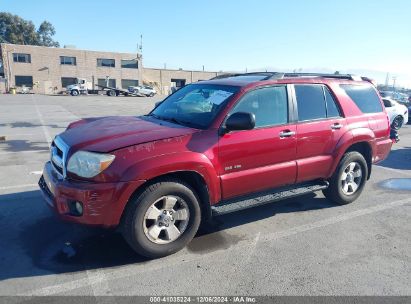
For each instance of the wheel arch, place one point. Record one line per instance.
(194, 179)
(365, 149)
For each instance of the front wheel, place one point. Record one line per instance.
(162, 219)
(348, 180)
(74, 93)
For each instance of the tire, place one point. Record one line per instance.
(111, 93)
(143, 226)
(74, 93)
(151, 95)
(342, 190)
(397, 123)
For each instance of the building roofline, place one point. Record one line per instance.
(70, 49)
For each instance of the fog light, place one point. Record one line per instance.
(79, 208)
(75, 208)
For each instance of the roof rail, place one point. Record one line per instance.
(280, 75)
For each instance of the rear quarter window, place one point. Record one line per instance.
(365, 97)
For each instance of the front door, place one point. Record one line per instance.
(262, 158)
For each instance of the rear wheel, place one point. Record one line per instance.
(397, 123)
(348, 180)
(111, 93)
(162, 219)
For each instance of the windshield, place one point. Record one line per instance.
(195, 105)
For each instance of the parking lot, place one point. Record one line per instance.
(302, 246)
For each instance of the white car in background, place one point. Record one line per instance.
(143, 90)
(397, 113)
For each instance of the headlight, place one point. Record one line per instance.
(89, 164)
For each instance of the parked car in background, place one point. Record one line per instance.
(143, 90)
(399, 97)
(397, 113)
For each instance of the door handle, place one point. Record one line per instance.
(286, 133)
(336, 126)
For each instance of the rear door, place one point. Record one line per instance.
(262, 158)
(320, 127)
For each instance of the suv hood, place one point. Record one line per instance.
(112, 133)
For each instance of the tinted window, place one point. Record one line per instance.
(269, 105)
(101, 62)
(332, 109)
(17, 57)
(129, 64)
(310, 101)
(67, 60)
(103, 82)
(125, 83)
(24, 81)
(387, 103)
(66, 81)
(365, 97)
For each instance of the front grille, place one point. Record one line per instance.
(45, 188)
(58, 154)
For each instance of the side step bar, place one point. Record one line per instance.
(267, 197)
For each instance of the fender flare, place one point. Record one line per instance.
(154, 167)
(349, 139)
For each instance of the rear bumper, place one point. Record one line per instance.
(383, 148)
(103, 203)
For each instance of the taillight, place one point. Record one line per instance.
(388, 127)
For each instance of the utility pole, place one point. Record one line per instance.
(394, 79)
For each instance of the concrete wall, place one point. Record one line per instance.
(45, 66)
(161, 78)
(46, 70)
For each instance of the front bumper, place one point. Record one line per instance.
(103, 203)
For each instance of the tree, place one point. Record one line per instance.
(45, 33)
(16, 30)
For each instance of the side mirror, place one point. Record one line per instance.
(240, 121)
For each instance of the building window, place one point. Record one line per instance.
(17, 57)
(103, 82)
(66, 81)
(68, 60)
(101, 62)
(129, 64)
(1, 68)
(125, 83)
(24, 81)
(178, 83)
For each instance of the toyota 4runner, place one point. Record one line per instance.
(211, 148)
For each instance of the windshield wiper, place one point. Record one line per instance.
(170, 119)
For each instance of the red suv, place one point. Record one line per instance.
(214, 146)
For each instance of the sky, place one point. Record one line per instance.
(369, 37)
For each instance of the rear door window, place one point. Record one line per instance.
(310, 102)
(332, 108)
(365, 97)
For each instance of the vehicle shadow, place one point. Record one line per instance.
(37, 243)
(398, 159)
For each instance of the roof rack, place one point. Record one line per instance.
(280, 75)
